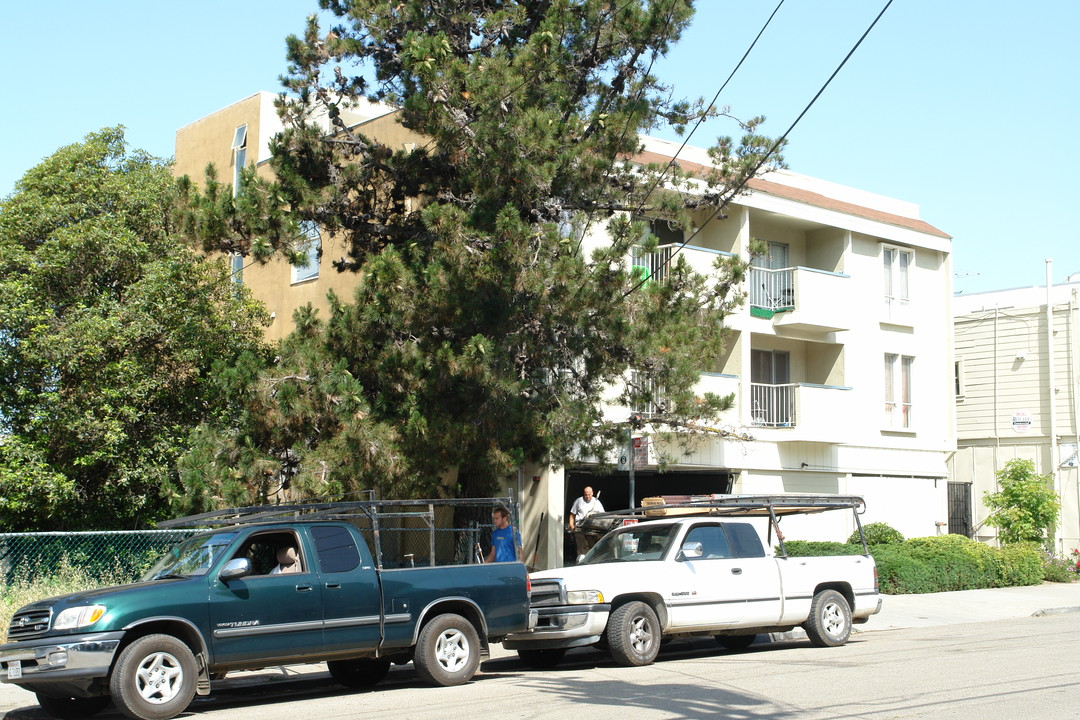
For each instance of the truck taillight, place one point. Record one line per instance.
(528, 581)
(876, 589)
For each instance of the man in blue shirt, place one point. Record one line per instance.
(505, 543)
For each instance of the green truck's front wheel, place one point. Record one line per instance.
(447, 651)
(154, 678)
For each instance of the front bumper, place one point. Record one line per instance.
(59, 659)
(563, 626)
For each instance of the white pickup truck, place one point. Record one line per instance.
(702, 569)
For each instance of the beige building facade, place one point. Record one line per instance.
(840, 360)
(1016, 388)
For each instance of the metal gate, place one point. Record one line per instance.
(960, 508)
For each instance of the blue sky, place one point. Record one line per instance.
(966, 108)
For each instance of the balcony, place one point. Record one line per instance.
(801, 298)
(806, 412)
(655, 266)
(773, 405)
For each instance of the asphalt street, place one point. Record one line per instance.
(898, 611)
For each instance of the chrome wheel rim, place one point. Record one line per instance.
(832, 619)
(452, 650)
(641, 635)
(159, 678)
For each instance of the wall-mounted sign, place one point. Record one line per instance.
(1021, 421)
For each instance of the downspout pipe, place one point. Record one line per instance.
(1051, 379)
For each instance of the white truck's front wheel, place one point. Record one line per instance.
(829, 624)
(633, 634)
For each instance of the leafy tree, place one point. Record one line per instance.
(1025, 507)
(495, 305)
(108, 328)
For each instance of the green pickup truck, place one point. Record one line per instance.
(265, 587)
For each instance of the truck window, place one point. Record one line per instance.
(336, 549)
(714, 543)
(262, 550)
(745, 541)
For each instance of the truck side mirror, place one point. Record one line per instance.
(690, 550)
(235, 569)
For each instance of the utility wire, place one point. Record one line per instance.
(716, 97)
(776, 145)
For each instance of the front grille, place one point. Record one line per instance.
(547, 592)
(29, 623)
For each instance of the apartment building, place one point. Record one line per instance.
(1016, 388)
(840, 361)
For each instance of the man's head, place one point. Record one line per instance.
(587, 493)
(501, 517)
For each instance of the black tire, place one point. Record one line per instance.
(154, 678)
(72, 708)
(359, 673)
(447, 651)
(542, 659)
(735, 642)
(633, 634)
(829, 624)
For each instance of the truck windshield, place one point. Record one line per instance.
(638, 543)
(194, 556)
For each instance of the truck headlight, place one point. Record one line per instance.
(78, 617)
(584, 597)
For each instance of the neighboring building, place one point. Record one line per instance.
(840, 360)
(1016, 388)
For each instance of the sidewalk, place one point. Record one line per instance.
(898, 611)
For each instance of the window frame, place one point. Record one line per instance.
(312, 246)
(898, 373)
(897, 274)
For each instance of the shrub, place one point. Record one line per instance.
(811, 548)
(877, 533)
(1020, 564)
(1060, 569)
(954, 562)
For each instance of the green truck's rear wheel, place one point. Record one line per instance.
(447, 651)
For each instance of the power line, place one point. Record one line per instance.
(776, 145)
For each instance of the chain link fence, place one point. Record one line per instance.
(410, 535)
(104, 558)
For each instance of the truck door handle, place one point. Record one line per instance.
(736, 571)
(333, 586)
(304, 588)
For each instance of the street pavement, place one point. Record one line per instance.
(898, 611)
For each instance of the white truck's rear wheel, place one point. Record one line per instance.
(829, 624)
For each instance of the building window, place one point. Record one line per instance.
(897, 264)
(236, 263)
(898, 390)
(239, 150)
(311, 245)
(958, 378)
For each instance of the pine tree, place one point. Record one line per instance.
(487, 324)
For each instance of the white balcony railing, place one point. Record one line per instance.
(773, 405)
(655, 266)
(772, 289)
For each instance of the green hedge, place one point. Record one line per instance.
(940, 563)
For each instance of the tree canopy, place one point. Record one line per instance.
(488, 324)
(109, 326)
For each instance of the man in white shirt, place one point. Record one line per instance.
(583, 507)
